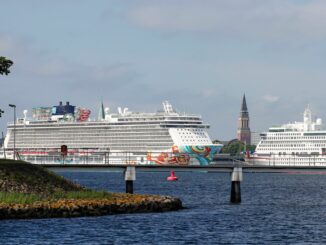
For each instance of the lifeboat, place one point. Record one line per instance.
(172, 177)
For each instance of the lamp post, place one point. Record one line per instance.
(14, 106)
(2, 139)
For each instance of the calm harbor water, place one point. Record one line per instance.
(275, 208)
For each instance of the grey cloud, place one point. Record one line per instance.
(42, 79)
(274, 20)
(43, 68)
(271, 98)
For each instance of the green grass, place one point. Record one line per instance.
(18, 198)
(19, 178)
(21, 198)
(23, 177)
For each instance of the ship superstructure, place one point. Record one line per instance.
(293, 144)
(163, 137)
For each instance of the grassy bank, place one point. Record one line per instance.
(29, 191)
(23, 177)
(22, 198)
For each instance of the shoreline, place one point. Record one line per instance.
(28, 191)
(69, 208)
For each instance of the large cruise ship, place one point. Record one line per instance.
(65, 134)
(293, 144)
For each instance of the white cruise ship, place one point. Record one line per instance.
(293, 144)
(65, 134)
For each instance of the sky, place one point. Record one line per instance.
(201, 55)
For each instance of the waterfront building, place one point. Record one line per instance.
(243, 132)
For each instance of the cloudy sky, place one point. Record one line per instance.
(201, 55)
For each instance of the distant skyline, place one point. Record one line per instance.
(202, 56)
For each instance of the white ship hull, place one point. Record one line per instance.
(293, 144)
(183, 155)
(164, 137)
(307, 161)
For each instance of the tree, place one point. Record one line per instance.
(5, 65)
(217, 142)
(236, 147)
(233, 147)
(251, 148)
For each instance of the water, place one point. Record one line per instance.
(275, 208)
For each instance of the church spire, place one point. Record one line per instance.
(243, 132)
(244, 104)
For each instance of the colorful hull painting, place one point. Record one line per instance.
(184, 154)
(178, 155)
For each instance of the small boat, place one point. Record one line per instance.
(172, 177)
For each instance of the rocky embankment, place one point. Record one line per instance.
(25, 179)
(78, 208)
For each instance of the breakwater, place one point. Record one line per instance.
(120, 203)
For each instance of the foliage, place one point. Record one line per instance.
(236, 147)
(217, 142)
(23, 177)
(251, 148)
(25, 183)
(5, 65)
(18, 198)
(23, 198)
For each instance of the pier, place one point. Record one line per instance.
(220, 167)
(236, 169)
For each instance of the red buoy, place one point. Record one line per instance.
(172, 177)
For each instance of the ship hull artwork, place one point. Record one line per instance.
(125, 137)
